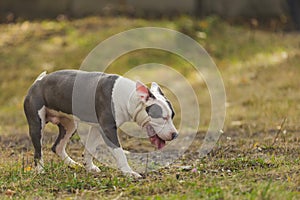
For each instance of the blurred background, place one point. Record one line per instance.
(254, 43)
(12, 10)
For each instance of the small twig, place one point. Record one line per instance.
(279, 131)
(146, 170)
(226, 149)
(119, 196)
(23, 162)
(250, 131)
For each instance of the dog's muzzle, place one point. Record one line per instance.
(141, 117)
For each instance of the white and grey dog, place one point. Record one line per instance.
(116, 101)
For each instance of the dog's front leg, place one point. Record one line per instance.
(122, 163)
(110, 137)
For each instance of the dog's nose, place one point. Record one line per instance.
(174, 135)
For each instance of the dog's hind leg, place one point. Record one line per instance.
(88, 162)
(90, 147)
(67, 128)
(36, 123)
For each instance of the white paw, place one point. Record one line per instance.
(92, 168)
(73, 164)
(132, 174)
(40, 169)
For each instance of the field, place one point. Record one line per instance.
(257, 156)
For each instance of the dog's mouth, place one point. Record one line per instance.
(157, 141)
(154, 138)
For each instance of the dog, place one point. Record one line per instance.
(105, 102)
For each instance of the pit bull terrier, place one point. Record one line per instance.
(116, 100)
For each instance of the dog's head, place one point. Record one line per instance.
(160, 127)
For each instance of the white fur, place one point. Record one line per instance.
(40, 77)
(124, 100)
(122, 163)
(42, 115)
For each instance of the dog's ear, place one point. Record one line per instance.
(156, 89)
(142, 91)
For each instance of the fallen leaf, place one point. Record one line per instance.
(9, 192)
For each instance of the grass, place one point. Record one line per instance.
(260, 71)
(244, 171)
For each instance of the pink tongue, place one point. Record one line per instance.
(159, 143)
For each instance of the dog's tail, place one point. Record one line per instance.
(41, 76)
